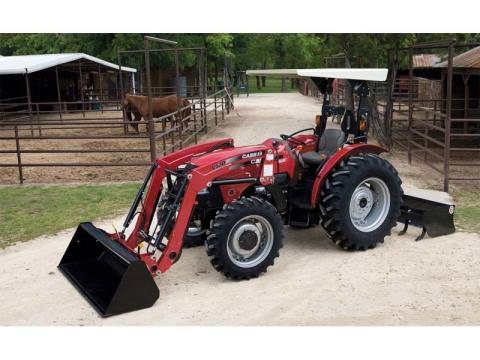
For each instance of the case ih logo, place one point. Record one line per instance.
(251, 155)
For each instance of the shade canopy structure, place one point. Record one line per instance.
(467, 60)
(334, 73)
(22, 64)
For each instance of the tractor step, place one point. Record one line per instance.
(112, 279)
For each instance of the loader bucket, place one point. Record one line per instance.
(113, 279)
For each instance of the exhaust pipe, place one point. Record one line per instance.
(113, 279)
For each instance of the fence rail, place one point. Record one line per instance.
(33, 132)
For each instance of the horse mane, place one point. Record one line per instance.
(133, 99)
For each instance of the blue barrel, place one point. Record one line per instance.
(182, 80)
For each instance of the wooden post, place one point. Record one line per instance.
(177, 88)
(59, 98)
(194, 110)
(19, 156)
(81, 87)
(215, 109)
(446, 154)
(100, 80)
(29, 100)
(205, 92)
(410, 106)
(116, 83)
(38, 120)
(151, 123)
(466, 101)
(223, 108)
(119, 99)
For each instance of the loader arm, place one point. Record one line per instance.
(168, 162)
(198, 174)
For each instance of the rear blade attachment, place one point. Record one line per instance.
(431, 210)
(112, 279)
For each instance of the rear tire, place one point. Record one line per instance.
(360, 202)
(245, 238)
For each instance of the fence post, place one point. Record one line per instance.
(151, 123)
(229, 100)
(223, 108)
(100, 81)
(29, 100)
(59, 97)
(164, 144)
(195, 123)
(215, 109)
(180, 129)
(82, 97)
(38, 120)
(410, 106)
(120, 95)
(204, 110)
(446, 150)
(19, 156)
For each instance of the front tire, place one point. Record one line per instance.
(245, 238)
(360, 202)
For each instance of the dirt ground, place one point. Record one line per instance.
(402, 282)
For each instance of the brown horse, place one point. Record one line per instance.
(161, 106)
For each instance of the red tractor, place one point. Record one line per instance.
(236, 200)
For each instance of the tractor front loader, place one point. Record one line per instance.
(236, 200)
(114, 271)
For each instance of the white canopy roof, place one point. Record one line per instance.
(349, 73)
(31, 63)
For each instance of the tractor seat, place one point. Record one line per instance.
(329, 143)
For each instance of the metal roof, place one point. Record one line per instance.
(469, 59)
(425, 60)
(31, 63)
(334, 73)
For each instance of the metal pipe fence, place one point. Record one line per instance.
(45, 133)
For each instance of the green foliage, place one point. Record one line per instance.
(243, 51)
(272, 85)
(219, 45)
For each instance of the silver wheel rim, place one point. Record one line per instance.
(249, 241)
(369, 204)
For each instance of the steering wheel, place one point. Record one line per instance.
(290, 137)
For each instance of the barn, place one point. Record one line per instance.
(465, 81)
(49, 79)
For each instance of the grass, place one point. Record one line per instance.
(30, 211)
(467, 210)
(272, 85)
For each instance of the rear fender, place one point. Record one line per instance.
(335, 159)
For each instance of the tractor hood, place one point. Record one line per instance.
(210, 161)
